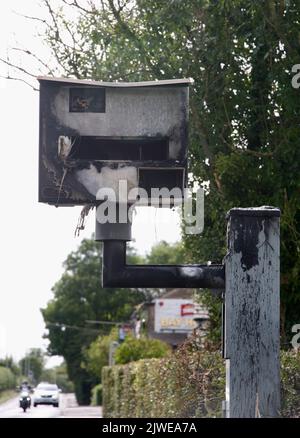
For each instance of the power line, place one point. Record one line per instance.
(73, 327)
(107, 322)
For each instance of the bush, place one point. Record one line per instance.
(96, 356)
(187, 384)
(135, 349)
(97, 395)
(7, 379)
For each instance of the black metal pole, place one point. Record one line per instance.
(116, 273)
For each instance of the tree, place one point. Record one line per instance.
(78, 298)
(8, 362)
(32, 364)
(244, 126)
(136, 349)
(164, 253)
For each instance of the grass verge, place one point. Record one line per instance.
(7, 395)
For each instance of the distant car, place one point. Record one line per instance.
(46, 394)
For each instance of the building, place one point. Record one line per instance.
(173, 316)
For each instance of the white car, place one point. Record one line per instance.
(46, 394)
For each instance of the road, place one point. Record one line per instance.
(68, 409)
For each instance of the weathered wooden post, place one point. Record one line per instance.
(251, 314)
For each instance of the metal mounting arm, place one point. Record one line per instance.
(116, 273)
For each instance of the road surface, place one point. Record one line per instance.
(68, 409)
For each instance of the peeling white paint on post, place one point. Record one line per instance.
(251, 315)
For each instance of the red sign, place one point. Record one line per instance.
(187, 309)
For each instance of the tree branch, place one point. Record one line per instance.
(29, 17)
(28, 52)
(129, 32)
(10, 64)
(19, 79)
(75, 4)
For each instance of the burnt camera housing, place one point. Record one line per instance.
(93, 134)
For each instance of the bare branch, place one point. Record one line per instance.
(28, 52)
(10, 64)
(51, 12)
(56, 26)
(29, 17)
(66, 24)
(75, 4)
(121, 7)
(19, 79)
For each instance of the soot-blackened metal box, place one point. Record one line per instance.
(92, 134)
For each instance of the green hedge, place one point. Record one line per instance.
(187, 384)
(167, 387)
(97, 395)
(7, 379)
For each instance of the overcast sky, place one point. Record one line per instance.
(36, 238)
